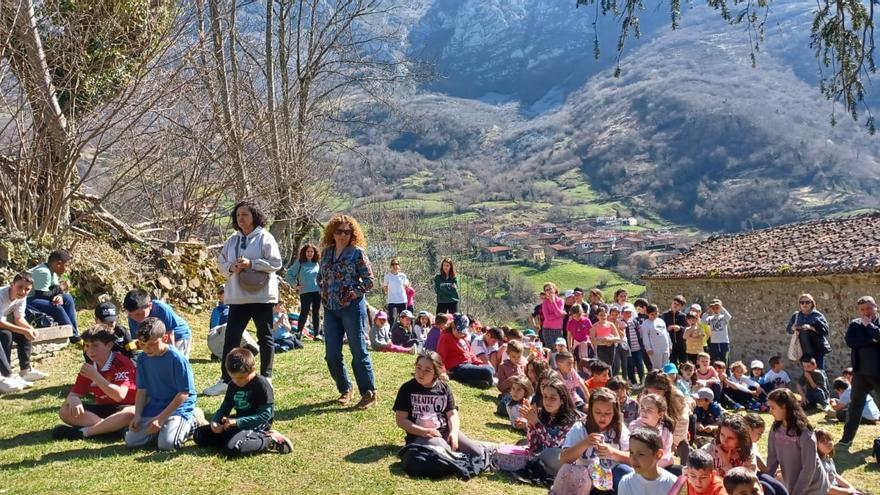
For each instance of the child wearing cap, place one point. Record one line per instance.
(140, 306)
(166, 391)
(110, 377)
(718, 319)
(105, 314)
(708, 412)
(695, 336)
(756, 372)
(402, 332)
(380, 336)
(459, 359)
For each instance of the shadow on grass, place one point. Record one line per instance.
(67, 455)
(499, 426)
(38, 392)
(203, 360)
(150, 455)
(369, 455)
(316, 409)
(845, 461)
(486, 396)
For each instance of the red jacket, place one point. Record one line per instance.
(454, 351)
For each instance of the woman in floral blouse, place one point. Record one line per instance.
(344, 279)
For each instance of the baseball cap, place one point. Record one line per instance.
(406, 313)
(578, 289)
(221, 289)
(560, 341)
(756, 364)
(424, 313)
(381, 314)
(704, 393)
(670, 368)
(628, 307)
(529, 331)
(715, 302)
(461, 322)
(569, 293)
(106, 311)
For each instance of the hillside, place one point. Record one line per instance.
(681, 138)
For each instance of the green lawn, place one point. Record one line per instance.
(568, 274)
(336, 450)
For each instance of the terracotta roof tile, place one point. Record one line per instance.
(839, 245)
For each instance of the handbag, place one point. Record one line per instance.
(249, 279)
(794, 348)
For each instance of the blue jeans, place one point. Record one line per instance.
(473, 374)
(719, 351)
(636, 366)
(64, 314)
(350, 321)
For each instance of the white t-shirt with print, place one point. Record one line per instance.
(578, 432)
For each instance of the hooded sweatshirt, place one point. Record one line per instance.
(262, 250)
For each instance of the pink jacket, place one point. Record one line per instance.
(552, 313)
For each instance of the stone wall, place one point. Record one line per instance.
(761, 308)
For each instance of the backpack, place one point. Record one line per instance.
(877, 450)
(38, 319)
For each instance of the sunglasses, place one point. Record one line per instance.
(806, 302)
(342, 232)
(392, 264)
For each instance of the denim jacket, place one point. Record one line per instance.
(346, 279)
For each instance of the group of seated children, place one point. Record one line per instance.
(153, 402)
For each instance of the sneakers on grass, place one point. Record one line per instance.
(18, 380)
(9, 385)
(218, 388)
(32, 375)
(64, 432)
(280, 443)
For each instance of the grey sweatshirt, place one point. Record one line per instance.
(802, 472)
(262, 250)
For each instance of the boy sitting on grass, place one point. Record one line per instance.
(166, 392)
(109, 376)
(742, 481)
(250, 430)
(645, 451)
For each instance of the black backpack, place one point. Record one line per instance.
(877, 450)
(38, 319)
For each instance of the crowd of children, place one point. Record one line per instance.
(566, 387)
(694, 425)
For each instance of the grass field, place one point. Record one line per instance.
(336, 450)
(567, 274)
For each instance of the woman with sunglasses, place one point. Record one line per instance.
(812, 329)
(344, 278)
(249, 259)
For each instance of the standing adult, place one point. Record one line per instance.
(596, 298)
(303, 276)
(249, 259)
(812, 329)
(552, 312)
(676, 322)
(394, 284)
(345, 278)
(620, 299)
(863, 337)
(50, 293)
(446, 287)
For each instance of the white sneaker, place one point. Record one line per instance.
(33, 375)
(7, 386)
(218, 388)
(21, 382)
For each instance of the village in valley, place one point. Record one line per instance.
(601, 241)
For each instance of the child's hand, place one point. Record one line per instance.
(432, 433)
(230, 423)
(603, 450)
(89, 370)
(153, 426)
(529, 412)
(135, 423)
(453, 441)
(595, 439)
(521, 423)
(216, 427)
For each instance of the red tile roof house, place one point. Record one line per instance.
(759, 276)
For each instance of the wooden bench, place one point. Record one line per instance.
(53, 335)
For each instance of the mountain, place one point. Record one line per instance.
(689, 130)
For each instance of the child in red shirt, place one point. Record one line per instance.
(600, 373)
(110, 378)
(459, 359)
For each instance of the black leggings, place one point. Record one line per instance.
(239, 316)
(233, 442)
(394, 310)
(23, 349)
(310, 303)
(450, 308)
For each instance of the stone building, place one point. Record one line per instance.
(759, 275)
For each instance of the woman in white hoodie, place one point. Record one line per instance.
(249, 259)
